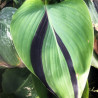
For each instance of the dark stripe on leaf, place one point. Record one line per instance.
(70, 65)
(36, 50)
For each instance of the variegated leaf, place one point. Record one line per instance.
(55, 41)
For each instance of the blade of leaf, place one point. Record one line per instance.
(75, 37)
(29, 14)
(86, 91)
(8, 53)
(73, 26)
(92, 5)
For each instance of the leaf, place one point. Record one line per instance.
(86, 91)
(41, 89)
(55, 41)
(8, 54)
(18, 82)
(93, 7)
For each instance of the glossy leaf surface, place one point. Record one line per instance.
(8, 54)
(55, 42)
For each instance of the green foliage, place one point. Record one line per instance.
(93, 9)
(24, 86)
(86, 91)
(20, 83)
(7, 50)
(16, 82)
(41, 89)
(67, 22)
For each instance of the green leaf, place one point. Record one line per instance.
(8, 54)
(55, 42)
(93, 9)
(18, 82)
(86, 91)
(41, 89)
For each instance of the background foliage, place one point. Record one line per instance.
(15, 80)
